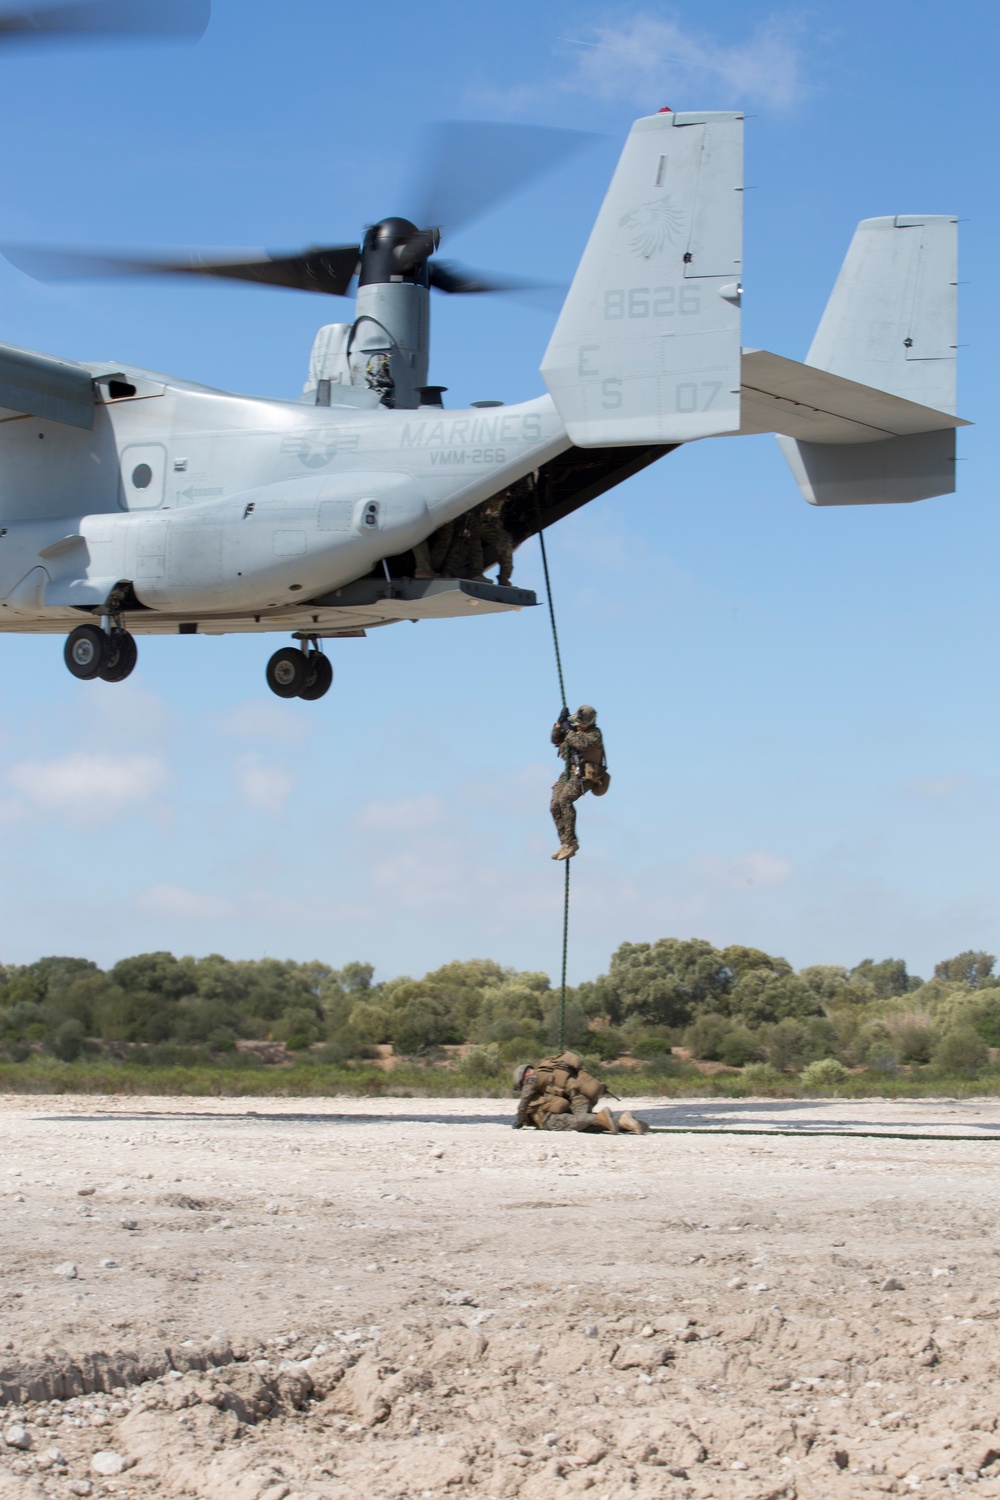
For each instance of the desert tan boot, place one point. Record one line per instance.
(628, 1122)
(608, 1120)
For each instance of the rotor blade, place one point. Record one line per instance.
(327, 269)
(93, 19)
(446, 276)
(474, 164)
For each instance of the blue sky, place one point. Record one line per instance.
(799, 705)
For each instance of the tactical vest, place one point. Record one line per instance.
(558, 1078)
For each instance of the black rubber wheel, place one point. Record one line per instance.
(288, 671)
(123, 654)
(320, 677)
(86, 652)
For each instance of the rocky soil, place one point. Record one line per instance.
(406, 1299)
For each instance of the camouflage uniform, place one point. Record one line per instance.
(493, 533)
(532, 1110)
(465, 553)
(559, 1094)
(464, 557)
(579, 748)
(429, 555)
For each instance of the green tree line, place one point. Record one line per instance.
(736, 1006)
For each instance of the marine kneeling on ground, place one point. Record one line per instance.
(559, 1094)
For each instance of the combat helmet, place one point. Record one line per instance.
(519, 1072)
(585, 716)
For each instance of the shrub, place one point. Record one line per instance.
(297, 1028)
(481, 1063)
(235, 1059)
(988, 1022)
(504, 1030)
(960, 1051)
(739, 1047)
(826, 1072)
(221, 1040)
(761, 1076)
(520, 1049)
(371, 1023)
(664, 1065)
(881, 1058)
(576, 1028)
(787, 1046)
(914, 1042)
(656, 1044)
(67, 1041)
(706, 1035)
(605, 1045)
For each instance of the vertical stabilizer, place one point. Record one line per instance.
(892, 324)
(892, 319)
(647, 346)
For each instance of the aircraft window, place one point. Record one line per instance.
(143, 476)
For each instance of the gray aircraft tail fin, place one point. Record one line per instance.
(892, 319)
(647, 346)
(890, 325)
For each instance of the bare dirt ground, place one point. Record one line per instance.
(253, 1300)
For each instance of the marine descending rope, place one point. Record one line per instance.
(562, 695)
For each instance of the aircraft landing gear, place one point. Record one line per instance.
(292, 673)
(123, 654)
(92, 652)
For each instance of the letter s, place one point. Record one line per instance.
(611, 393)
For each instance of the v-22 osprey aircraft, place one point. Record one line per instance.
(134, 503)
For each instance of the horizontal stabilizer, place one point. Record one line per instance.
(781, 395)
(54, 389)
(647, 346)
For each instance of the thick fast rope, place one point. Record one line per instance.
(552, 613)
(562, 696)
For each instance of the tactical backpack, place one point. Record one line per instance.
(559, 1077)
(597, 778)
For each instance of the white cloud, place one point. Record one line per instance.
(935, 786)
(754, 869)
(651, 60)
(175, 903)
(129, 715)
(90, 788)
(264, 719)
(406, 815)
(266, 788)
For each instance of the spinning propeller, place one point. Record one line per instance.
(89, 20)
(470, 167)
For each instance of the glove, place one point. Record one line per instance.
(517, 1125)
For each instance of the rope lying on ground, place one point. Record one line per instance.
(806, 1134)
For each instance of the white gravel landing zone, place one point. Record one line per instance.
(279, 1299)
